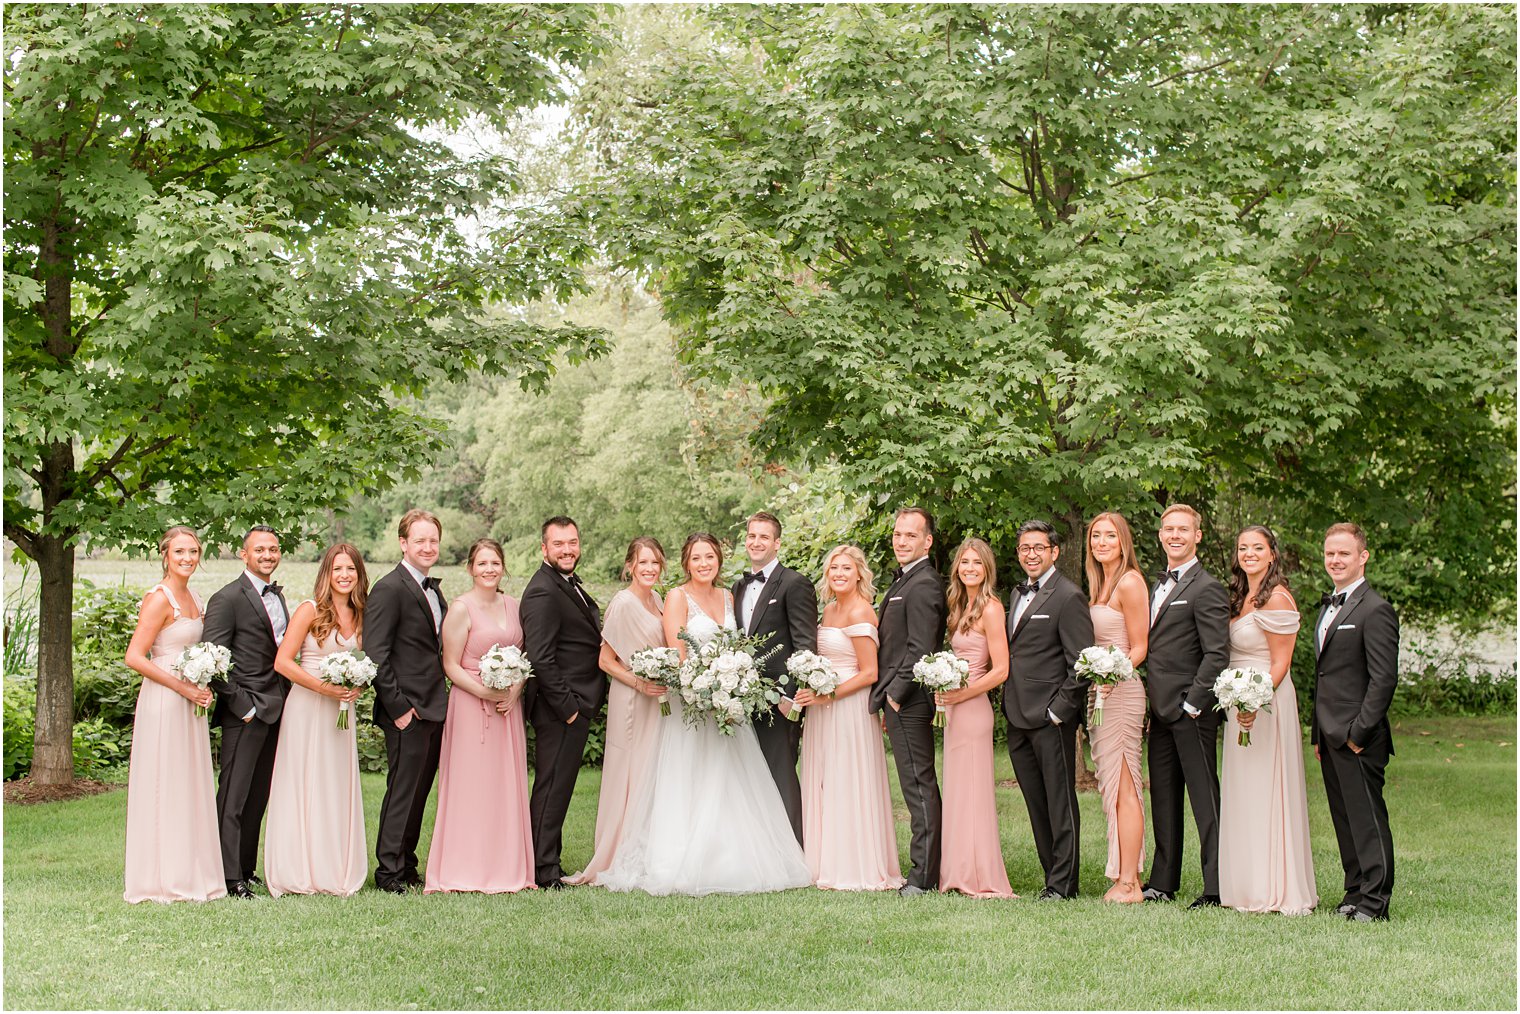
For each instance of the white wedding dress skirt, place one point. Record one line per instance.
(709, 820)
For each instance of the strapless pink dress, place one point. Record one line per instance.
(971, 850)
(848, 837)
(1116, 743)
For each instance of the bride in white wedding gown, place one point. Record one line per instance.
(709, 819)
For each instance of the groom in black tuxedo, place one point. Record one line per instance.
(247, 617)
(1189, 646)
(911, 624)
(1354, 680)
(562, 637)
(403, 624)
(1049, 625)
(779, 604)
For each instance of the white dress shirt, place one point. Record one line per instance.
(752, 593)
(429, 593)
(1332, 611)
(1164, 588)
(1028, 597)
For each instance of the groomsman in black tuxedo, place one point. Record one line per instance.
(247, 617)
(1354, 680)
(911, 624)
(562, 636)
(1049, 625)
(1189, 646)
(403, 624)
(779, 604)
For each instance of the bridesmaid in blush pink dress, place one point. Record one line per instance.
(1264, 859)
(848, 837)
(315, 838)
(1120, 605)
(482, 839)
(173, 847)
(971, 850)
(633, 622)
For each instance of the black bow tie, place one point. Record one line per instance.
(1338, 599)
(897, 575)
(1027, 587)
(1170, 575)
(753, 575)
(272, 589)
(435, 583)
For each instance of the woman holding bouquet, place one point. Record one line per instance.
(1264, 859)
(482, 838)
(633, 622)
(173, 846)
(1120, 606)
(971, 852)
(315, 841)
(709, 818)
(847, 830)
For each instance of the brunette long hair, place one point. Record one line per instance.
(965, 612)
(1127, 561)
(326, 620)
(691, 543)
(1240, 585)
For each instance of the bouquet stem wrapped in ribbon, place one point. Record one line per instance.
(346, 669)
(941, 671)
(1102, 664)
(200, 664)
(1245, 690)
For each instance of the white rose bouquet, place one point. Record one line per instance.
(814, 672)
(200, 664)
(1104, 665)
(658, 665)
(503, 667)
(943, 670)
(1244, 690)
(346, 669)
(723, 678)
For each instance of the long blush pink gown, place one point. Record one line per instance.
(314, 842)
(1116, 743)
(848, 837)
(174, 851)
(971, 851)
(633, 729)
(482, 840)
(1264, 859)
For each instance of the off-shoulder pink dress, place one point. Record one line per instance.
(315, 838)
(174, 851)
(848, 837)
(1116, 742)
(1264, 860)
(482, 839)
(971, 851)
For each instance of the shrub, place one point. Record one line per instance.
(104, 618)
(100, 747)
(20, 718)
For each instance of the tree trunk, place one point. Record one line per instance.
(53, 744)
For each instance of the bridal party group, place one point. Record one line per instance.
(799, 795)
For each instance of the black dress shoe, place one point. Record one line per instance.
(253, 880)
(553, 885)
(1153, 894)
(1205, 901)
(392, 887)
(412, 878)
(1345, 908)
(911, 891)
(1050, 894)
(239, 889)
(1359, 916)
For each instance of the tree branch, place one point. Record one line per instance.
(1191, 71)
(24, 538)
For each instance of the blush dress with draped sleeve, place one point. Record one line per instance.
(971, 850)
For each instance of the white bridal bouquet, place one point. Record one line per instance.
(943, 670)
(723, 678)
(503, 667)
(658, 665)
(346, 669)
(814, 672)
(200, 664)
(1108, 664)
(1244, 690)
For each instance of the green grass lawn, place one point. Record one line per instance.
(71, 942)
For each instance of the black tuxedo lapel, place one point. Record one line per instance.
(258, 606)
(578, 596)
(1040, 598)
(895, 587)
(415, 589)
(1345, 611)
(1178, 587)
(763, 599)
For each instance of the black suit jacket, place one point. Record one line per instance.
(400, 639)
(786, 613)
(911, 624)
(1189, 645)
(237, 620)
(562, 637)
(1042, 656)
(1357, 673)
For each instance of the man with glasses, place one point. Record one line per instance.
(1049, 625)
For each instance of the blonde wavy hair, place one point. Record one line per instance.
(863, 583)
(965, 612)
(169, 536)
